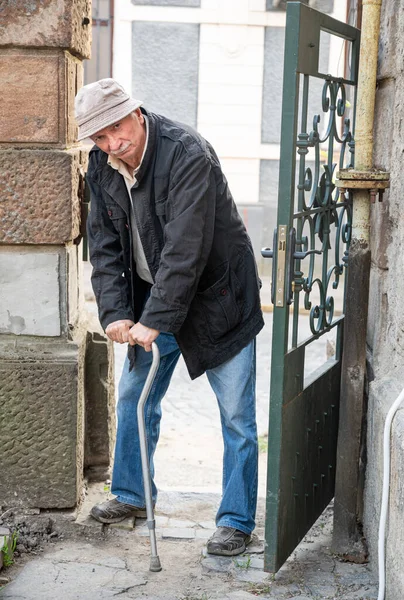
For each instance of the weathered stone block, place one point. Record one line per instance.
(39, 202)
(29, 293)
(37, 97)
(47, 23)
(41, 425)
(100, 420)
(390, 40)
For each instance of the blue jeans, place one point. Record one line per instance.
(234, 385)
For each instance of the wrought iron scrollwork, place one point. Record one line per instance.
(323, 217)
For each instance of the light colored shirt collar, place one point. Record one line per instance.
(122, 167)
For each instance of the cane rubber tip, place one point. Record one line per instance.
(155, 564)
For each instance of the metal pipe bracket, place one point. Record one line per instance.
(375, 181)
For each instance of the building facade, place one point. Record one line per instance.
(216, 65)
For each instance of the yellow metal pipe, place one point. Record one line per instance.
(365, 109)
(347, 537)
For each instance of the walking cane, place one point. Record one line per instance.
(151, 524)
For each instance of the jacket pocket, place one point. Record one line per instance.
(122, 227)
(115, 212)
(221, 305)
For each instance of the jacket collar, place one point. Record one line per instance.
(151, 145)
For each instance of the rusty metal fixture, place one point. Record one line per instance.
(373, 180)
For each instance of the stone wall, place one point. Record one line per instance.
(386, 315)
(43, 332)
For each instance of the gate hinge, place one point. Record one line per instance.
(375, 181)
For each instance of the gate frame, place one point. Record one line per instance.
(302, 45)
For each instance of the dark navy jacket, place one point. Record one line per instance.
(206, 287)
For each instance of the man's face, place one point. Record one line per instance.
(124, 139)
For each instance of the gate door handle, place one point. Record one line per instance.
(301, 255)
(283, 265)
(290, 269)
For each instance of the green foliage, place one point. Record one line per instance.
(243, 564)
(263, 443)
(8, 549)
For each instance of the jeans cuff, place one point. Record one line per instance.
(125, 500)
(224, 523)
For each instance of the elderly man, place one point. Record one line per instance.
(172, 263)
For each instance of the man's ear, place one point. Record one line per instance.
(139, 115)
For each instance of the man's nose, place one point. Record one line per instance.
(114, 144)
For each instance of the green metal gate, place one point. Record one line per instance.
(309, 258)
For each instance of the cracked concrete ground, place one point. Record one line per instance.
(105, 562)
(94, 562)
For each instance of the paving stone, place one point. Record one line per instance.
(144, 532)
(203, 534)
(217, 564)
(128, 523)
(207, 524)
(256, 562)
(241, 561)
(284, 591)
(322, 591)
(251, 575)
(185, 533)
(347, 573)
(161, 521)
(364, 593)
(180, 524)
(142, 523)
